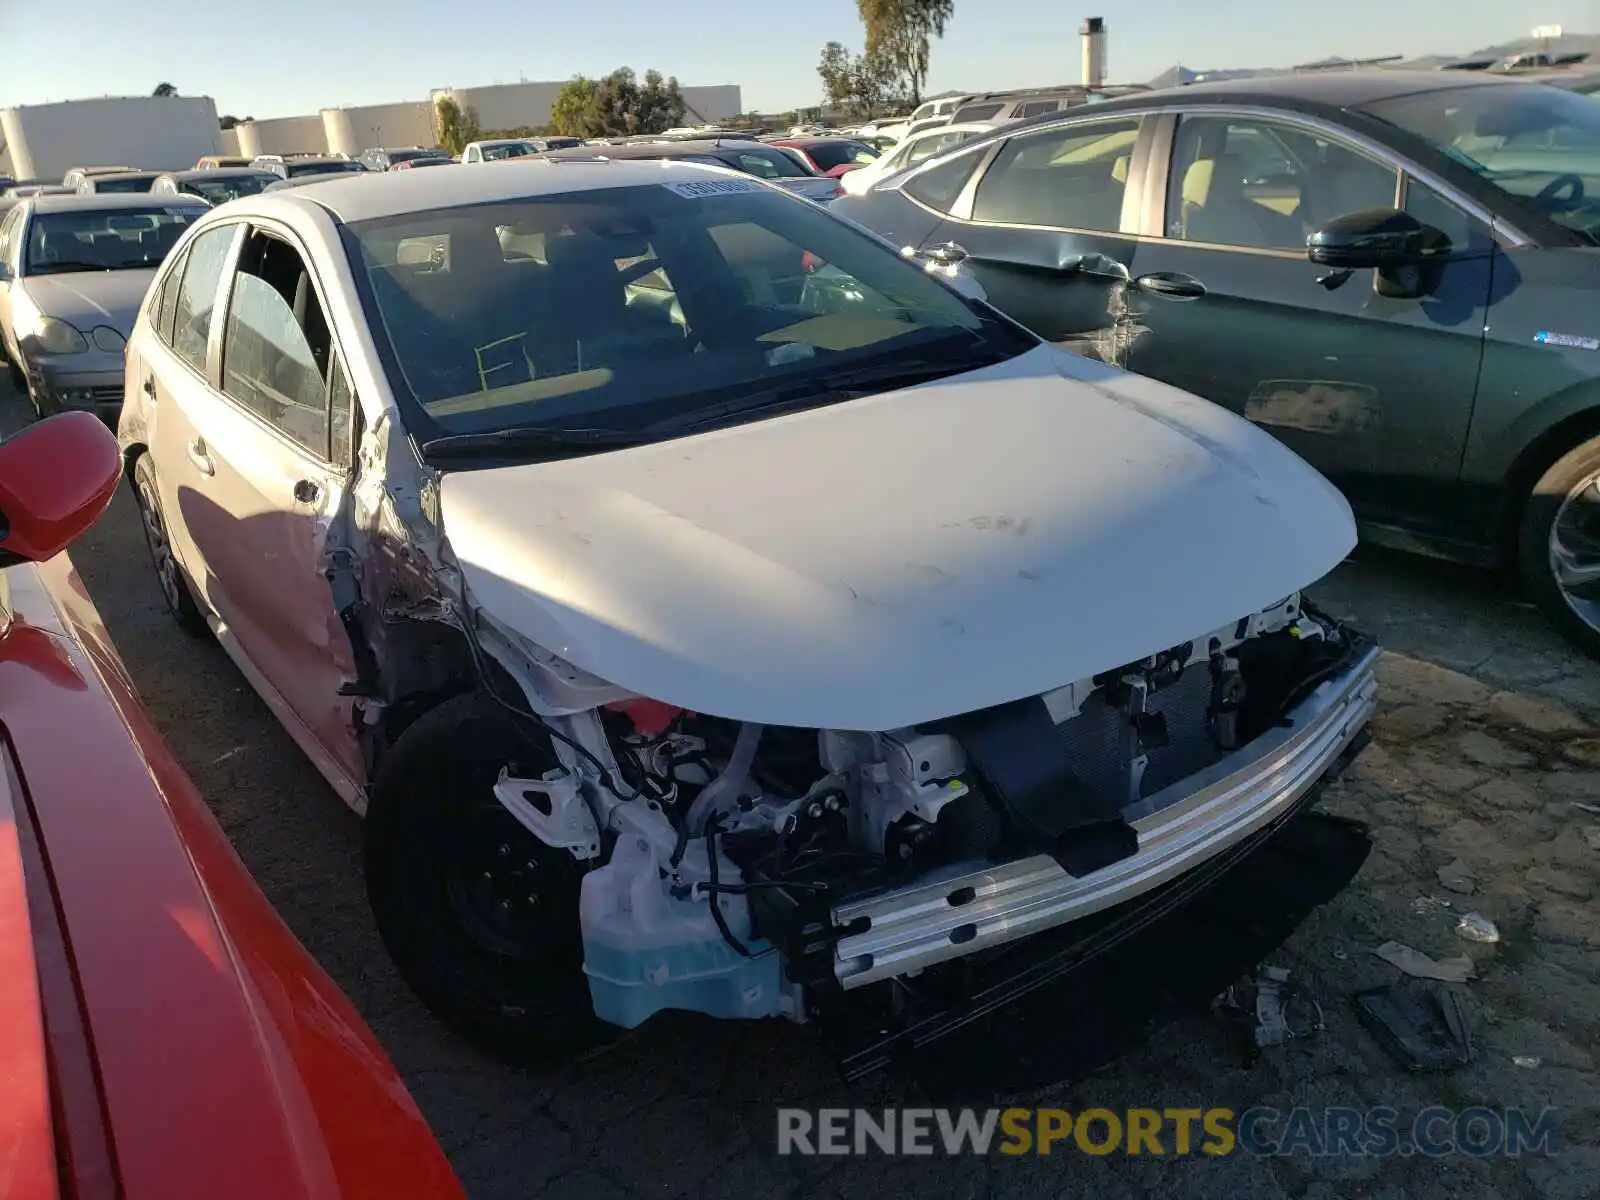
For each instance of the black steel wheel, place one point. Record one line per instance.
(479, 916)
(174, 588)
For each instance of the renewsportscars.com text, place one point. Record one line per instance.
(1173, 1132)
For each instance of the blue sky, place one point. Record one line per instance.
(296, 56)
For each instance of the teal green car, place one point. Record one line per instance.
(1395, 272)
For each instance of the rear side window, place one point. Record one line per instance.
(977, 112)
(167, 301)
(1072, 178)
(197, 294)
(939, 186)
(1037, 108)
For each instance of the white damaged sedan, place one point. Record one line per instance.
(712, 610)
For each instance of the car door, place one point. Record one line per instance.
(10, 245)
(273, 464)
(177, 366)
(1376, 392)
(1047, 224)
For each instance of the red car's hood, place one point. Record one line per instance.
(213, 1057)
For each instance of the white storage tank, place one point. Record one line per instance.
(163, 133)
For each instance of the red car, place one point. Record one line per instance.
(833, 156)
(164, 1035)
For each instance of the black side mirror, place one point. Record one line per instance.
(1378, 237)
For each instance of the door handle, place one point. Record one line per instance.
(1174, 285)
(945, 254)
(150, 386)
(306, 491)
(199, 457)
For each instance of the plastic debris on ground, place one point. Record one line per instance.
(1423, 1026)
(1527, 1062)
(1417, 964)
(1425, 905)
(1276, 1009)
(1476, 927)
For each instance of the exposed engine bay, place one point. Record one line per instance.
(739, 870)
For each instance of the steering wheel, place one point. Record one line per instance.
(1572, 185)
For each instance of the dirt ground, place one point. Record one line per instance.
(1485, 749)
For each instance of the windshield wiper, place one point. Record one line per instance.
(833, 385)
(560, 443)
(62, 266)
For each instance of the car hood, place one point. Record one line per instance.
(89, 298)
(902, 557)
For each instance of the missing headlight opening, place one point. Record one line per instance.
(885, 879)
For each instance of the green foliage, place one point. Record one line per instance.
(165, 89)
(899, 31)
(457, 125)
(618, 105)
(860, 83)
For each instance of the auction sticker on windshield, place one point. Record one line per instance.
(710, 187)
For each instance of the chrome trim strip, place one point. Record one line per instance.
(1189, 822)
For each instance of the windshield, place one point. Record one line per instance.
(508, 150)
(828, 155)
(400, 156)
(1539, 145)
(766, 163)
(228, 187)
(134, 183)
(627, 307)
(298, 169)
(113, 240)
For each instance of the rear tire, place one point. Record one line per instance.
(169, 577)
(479, 916)
(1559, 538)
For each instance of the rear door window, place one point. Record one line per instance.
(1069, 178)
(197, 294)
(938, 187)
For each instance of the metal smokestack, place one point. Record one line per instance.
(1094, 51)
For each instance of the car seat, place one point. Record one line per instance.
(1214, 207)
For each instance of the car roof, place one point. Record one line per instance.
(1333, 89)
(128, 175)
(214, 173)
(814, 140)
(99, 201)
(395, 193)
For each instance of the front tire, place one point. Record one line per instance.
(174, 588)
(1558, 546)
(479, 916)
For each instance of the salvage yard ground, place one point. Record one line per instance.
(1485, 747)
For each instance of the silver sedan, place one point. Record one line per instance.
(73, 271)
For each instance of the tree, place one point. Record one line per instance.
(575, 112)
(862, 82)
(165, 89)
(457, 125)
(617, 105)
(899, 31)
(835, 69)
